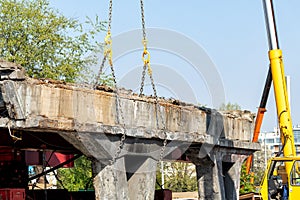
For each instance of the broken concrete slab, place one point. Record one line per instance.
(11, 71)
(70, 107)
(89, 119)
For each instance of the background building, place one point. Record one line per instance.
(271, 140)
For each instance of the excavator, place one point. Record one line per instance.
(281, 180)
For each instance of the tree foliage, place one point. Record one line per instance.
(43, 41)
(246, 185)
(77, 178)
(257, 171)
(230, 106)
(260, 159)
(50, 45)
(179, 177)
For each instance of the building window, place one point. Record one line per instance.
(297, 135)
(295, 178)
(268, 141)
(277, 140)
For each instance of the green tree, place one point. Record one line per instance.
(43, 41)
(260, 159)
(246, 185)
(257, 171)
(50, 45)
(77, 178)
(179, 177)
(159, 184)
(230, 106)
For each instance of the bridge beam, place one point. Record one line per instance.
(87, 118)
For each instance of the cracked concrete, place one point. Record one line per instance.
(217, 142)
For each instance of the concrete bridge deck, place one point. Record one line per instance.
(87, 119)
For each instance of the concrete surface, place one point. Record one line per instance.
(216, 142)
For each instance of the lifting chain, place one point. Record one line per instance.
(107, 47)
(146, 60)
(108, 56)
(146, 54)
(120, 119)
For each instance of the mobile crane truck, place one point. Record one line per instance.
(282, 176)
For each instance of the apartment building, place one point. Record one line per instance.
(272, 140)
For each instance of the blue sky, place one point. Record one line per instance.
(232, 32)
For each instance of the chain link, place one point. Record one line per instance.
(107, 54)
(143, 20)
(110, 15)
(146, 59)
(107, 45)
(143, 80)
(119, 110)
(120, 119)
(98, 77)
(145, 52)
(157, 110)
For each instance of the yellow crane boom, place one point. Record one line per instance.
(278, 77)
(280, 180)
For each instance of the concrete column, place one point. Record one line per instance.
(141, 176)
(110, 181)
(232, 173)
(210, 180)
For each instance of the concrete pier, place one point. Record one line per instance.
(89, 119)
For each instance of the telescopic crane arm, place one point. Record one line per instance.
(278, 77)
(282, 105)
(276, 73)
